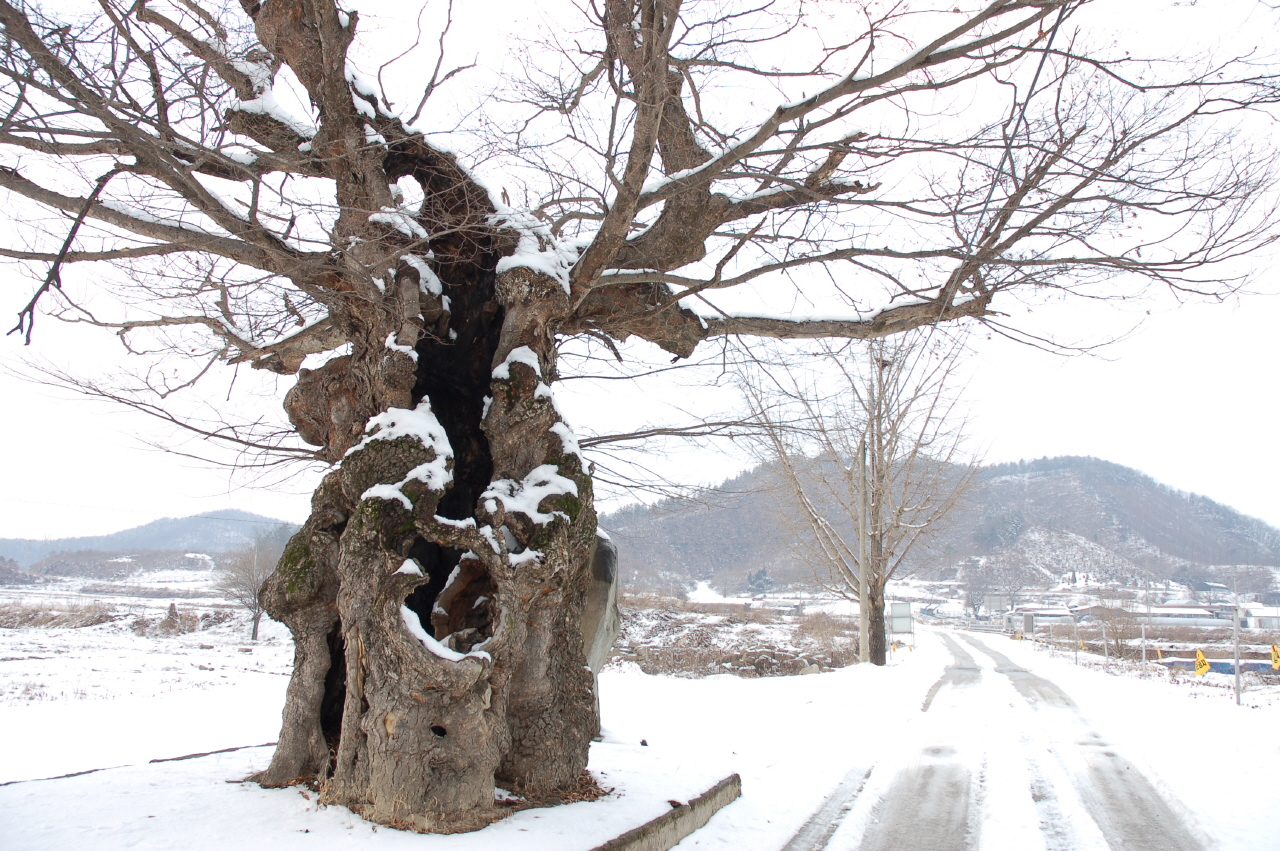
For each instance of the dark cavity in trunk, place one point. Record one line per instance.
(454, 375)
(335, 693)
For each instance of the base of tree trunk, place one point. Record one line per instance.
(876, 646)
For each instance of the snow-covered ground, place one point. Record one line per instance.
(105, 697)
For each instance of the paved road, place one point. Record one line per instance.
(1001, 759)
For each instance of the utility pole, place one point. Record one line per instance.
(864, 613)
(1147, 595)
(1235, 630)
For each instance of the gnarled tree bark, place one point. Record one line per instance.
(436, 594)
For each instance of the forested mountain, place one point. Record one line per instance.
(1026, 523)
(212, 532)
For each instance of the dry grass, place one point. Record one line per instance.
(54, 615)
(821, 626)
(584, 789)
(180, 622)
(682, 661)
(832, 636)
(118, 590)
(1214, 642)
(735, 612)
(628, 600)
(680, 639)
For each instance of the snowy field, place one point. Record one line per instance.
(1023, 736)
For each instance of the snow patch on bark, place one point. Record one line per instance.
(517, 559)
(411, 623)
(266, 104)
(487, 533)
(410, 567)
(396, 347)
(391, 493)
(419, 423)
(428, 281)
(401, 220)
(568, 440)
(319, 359)
(537, 249)
(143, 216)
(243, 156)
(520, 354)
(525, 496)
(453, 577)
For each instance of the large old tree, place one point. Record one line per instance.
(235, 190)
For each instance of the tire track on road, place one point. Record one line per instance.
(965, 672)
(815, 833)
(1131, 813)
(927, 805)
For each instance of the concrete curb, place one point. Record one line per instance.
(666, 831)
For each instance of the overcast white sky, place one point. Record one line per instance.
(1189, 398)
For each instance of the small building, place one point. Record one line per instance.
(1160, 615)
(1027, 618)
(1212, 591)
(1260, 617)
(1184, 616)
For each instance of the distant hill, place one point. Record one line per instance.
(1055, 515)
(1029, 522)
(212, 532)
(719, 538)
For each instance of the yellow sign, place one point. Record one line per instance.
(1159, 655)
(1082, 644)
(1202, 664)
(1275, 657)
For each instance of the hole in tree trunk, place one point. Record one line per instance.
(335, 693)
(462, 616)
(440, 732)
(437, 563)
(458, 614)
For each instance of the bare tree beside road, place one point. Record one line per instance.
(873, 459)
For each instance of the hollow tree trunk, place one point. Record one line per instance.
(436, 592)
